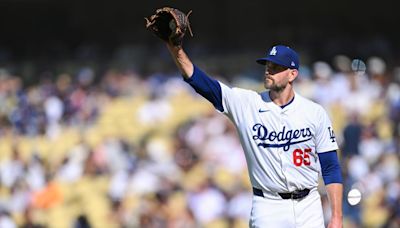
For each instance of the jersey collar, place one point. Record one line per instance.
(291, 104)
(291, 101)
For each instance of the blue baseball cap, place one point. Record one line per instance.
(281, 55)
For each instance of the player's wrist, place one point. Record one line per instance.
(337, 213)
(174, 48)
(337, 216)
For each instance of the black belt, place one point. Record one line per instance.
(299, 194)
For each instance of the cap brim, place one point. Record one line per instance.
(261, 61)
(264, 60)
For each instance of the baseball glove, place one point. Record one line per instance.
(169, 24)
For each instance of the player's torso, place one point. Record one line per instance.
(280, 145)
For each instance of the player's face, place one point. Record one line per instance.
(277, 77)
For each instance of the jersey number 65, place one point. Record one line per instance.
(300, 157)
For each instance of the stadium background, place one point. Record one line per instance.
(98, 129)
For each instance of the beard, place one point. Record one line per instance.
(270, 84)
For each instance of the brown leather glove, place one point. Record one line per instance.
(169, 24)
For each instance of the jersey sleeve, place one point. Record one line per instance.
(230, 101)
(325, 137)
(206, 86)
(235, 101)
(330, 167)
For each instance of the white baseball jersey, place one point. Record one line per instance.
(280, 144)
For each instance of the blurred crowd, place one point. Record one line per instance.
(163, 157)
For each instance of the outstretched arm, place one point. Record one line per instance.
(170, 25)
(206, 86)
(181, 59)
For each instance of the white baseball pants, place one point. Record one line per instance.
(287, 213)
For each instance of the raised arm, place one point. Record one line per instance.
(170, 25)
(181, 59)
(206, 86)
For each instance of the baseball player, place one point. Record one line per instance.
(287, 140)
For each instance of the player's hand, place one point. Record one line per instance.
(336, 222)
(169, 24)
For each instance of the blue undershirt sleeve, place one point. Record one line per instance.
(330, 167)
(207, 87)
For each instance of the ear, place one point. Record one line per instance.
(293, 74)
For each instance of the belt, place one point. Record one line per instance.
(298, 194)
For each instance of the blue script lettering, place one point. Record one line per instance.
(287, 137)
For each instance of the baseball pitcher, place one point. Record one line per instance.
(287, 139)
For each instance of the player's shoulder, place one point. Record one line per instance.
(239, 91)
(244, 91)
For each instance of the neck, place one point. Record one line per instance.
(282, 97)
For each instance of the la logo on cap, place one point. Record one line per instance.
(273, 51)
